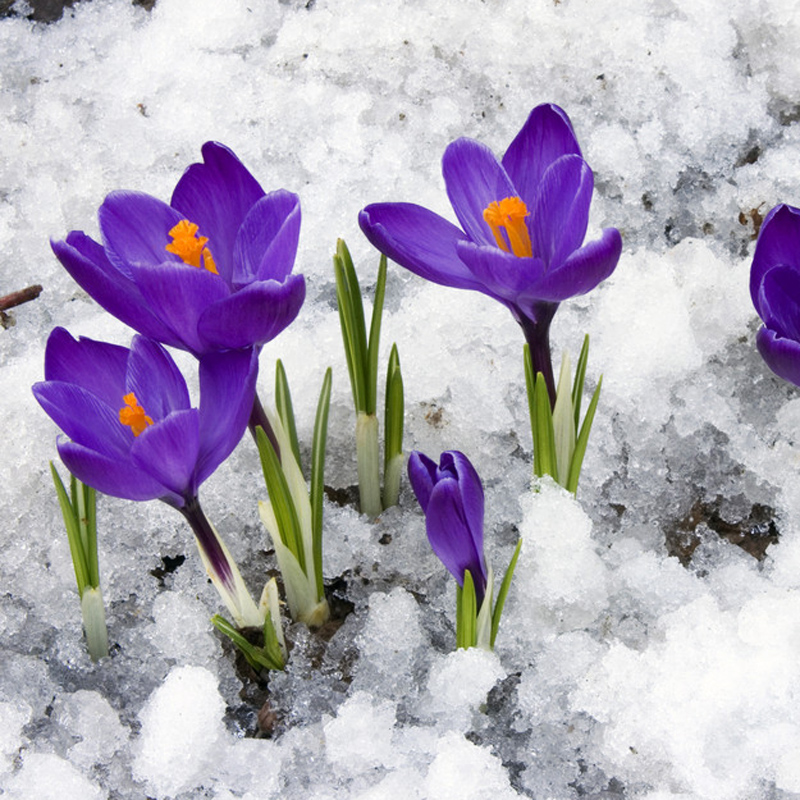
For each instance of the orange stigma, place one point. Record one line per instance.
(133, 414)
(507, 217)
(189, 249)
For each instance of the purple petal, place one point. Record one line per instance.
(252, 316)
(155, 379)
(779, 299)
(419, 240)
(227, 389)
(582, 271)
(778, 244)
(113, 289)
(117, 477)
(97, 367)
(84, 417)
(168, 450)
(501, 275)
(422, 476)
(135, 228)
(453, 462)
(216, 195)
(450, 536)
(474, 178)
(181, 293)
(266, 245)
(560, 213)
(781, 355)
(546, 136)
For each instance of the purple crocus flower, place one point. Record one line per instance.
(775, 290)
(134, 434)
(523, 222)
(451, 495)
(210, 271)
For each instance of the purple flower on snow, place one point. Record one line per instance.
(209, 272)
(524, 221)
(132, 431)
(451, 495)
(775, 290)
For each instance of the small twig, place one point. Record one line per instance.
(20, 297)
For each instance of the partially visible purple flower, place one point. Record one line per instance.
(451, 495)
(523, 223)
(209, 272)
(132, 430)
(775, 290)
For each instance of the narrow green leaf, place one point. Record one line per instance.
(93, 613)
(283, 403)
(272, 646)
(468, 616)
(257, 658)
(88, 522)
(544, 454)
(564, 422)
(393, 430)
(371, 378)
(79, 560)
(318, 477)
(583, 441)
(280, 498)
(501, 595)
(530, 386)
(348, 339)
(368, 464)
(580, 377)
(351, 315)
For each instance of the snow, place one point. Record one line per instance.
(619, 670)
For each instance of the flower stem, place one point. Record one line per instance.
(258, 419)
(537, 334)
(221, 567)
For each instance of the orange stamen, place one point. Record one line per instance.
(189, 249)
(507, 217)
(132, 414)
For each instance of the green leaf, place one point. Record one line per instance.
(563, 422)
(283, 403)
(583, 441)
(93, 613)
(368, 463)
(501, 595)
(351, 318)
(318, 477)
(544, 449)
(257, 658)
(580, 376)
(466, 613)
(72, 525)
(280, 498)
(371, 377)
(393, 430)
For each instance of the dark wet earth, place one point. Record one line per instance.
(48, 10)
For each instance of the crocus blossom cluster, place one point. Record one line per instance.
(523, 223)
(775, 290)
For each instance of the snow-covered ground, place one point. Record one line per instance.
(628, 663)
